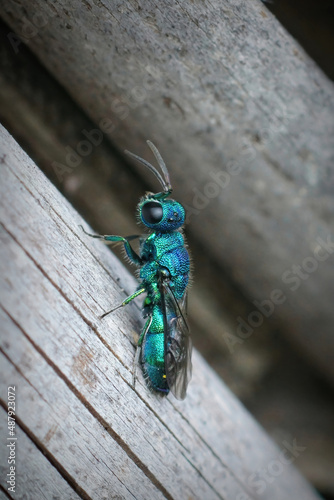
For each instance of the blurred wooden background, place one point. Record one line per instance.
(260, 119)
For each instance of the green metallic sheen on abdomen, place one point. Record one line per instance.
(153, 352)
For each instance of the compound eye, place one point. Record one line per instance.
(152, 212)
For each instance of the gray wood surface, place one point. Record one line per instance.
(73, 372)
(36, 476)
(226, 94)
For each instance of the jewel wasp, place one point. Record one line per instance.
(164, 346)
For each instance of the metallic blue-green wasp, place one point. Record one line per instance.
(164, 346)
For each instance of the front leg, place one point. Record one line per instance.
(133, 256)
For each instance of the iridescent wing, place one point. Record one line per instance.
(178, 344)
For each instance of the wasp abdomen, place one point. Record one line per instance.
(153, 358)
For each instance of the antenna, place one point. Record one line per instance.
(161, 163)
(165, 182)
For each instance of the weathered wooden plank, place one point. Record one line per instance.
(232, 101)
(34, 473)
(75, 371)
(60, 423)
(77, 357)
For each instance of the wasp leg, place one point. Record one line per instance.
(125, 302)
(138, 350)
(135, 364)
(110, 238)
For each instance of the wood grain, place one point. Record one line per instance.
(73, 371)
(36, 476)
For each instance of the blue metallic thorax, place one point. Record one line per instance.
(160, 251)
(165, 250)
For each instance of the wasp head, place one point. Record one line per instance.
(155, 210)
(161, 214)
